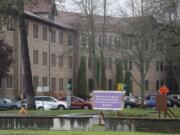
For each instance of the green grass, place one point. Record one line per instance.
(146, 113)
(34, 132)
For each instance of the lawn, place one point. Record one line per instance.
(146, 113)
(33, 132)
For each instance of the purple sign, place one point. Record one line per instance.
(108, 100)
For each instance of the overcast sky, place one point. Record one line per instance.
(68, 5)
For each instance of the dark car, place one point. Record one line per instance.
(78, 103)
(173, 102)
(131, 104)
(6, 104)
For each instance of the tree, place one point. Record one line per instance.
(5, 58)
(15, 8)
(119, 72)
(142, 32)
(82, 80)
(166, 12)
(128, 82)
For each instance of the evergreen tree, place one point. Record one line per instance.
(103, 75)
(82, 80)
(119, 72)
(128, 82)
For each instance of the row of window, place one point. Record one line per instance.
(159, 83)
(53, 33)
(127, 65)
(123, 42)
(36, 83)
(53, 59)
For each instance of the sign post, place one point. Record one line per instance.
(68, 87)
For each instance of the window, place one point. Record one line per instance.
(116, 42)
(60, 37)
(119, 42)
(9, 81)
(110, 84)
(53, 35)
(146, 85)
(61, 61)
(53, 60)
(110, 63)
(160, 66)
(89, 62)
(157, 85)
(0, 83)
(35, 82)
(70, 42)
(128, 65)
(146, 48)
(60, 84)
(35, 57)
(83, 40)
(44, 58)
(70, 61)
(10, 24)
(70, 82)
(44, 81)
(45, 33)
(35, 30)
(110, 41)
(100, 40)
(91, 85)
(53, 83)
(105, 63)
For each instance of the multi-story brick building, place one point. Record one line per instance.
(55, 47)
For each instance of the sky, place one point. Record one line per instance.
(114, 7)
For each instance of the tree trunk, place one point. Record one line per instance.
(142, 84)
(29, 91)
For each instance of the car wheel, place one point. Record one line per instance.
(128, 106)
(86, 107)
(61, 107)
(14, 107)
(174, 106)
(40, 108)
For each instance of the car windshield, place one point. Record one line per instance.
(8, 100)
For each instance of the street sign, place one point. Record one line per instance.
(68, 86)
(42, 89)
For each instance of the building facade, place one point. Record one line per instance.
(55, 49)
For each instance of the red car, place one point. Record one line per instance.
(78, 103)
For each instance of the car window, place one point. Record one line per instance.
(1, 100)
(50, 99)
(75, 99)
(38, 98)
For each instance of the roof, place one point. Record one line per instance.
(39, 6)
(58, 23)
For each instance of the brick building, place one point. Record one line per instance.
(56, 46)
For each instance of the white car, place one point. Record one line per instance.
(52, 102)
(39, 105)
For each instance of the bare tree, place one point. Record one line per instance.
(141, 32)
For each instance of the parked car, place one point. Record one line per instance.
(78, 103)
(39, 105)
(173, 102)
(150, 101)
(177, 97)
(52, 102)
(6, 103)
(131, 104)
